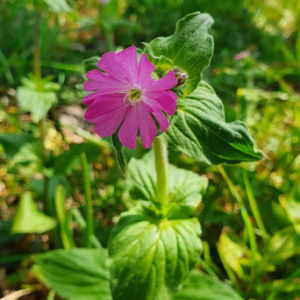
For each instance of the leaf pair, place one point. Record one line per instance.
(166, 247)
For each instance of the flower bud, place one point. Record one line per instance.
(180, 75)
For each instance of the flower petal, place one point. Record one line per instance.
(147, 127)
(127, 59)
(104, 83)
(128, 131)
(166, 99)
(165, 83)
(161, 119)
(90, 98)
(107, 125)
(109, 64)
(145, 70)
(104, 105)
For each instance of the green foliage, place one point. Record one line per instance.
(234, 253)
(199, 286)
(190, 48)
(150, 258)
(90, 63)
(58, 5)
(120, 153)
(13, 143)
(291, 204)
(251, 231)
(284, 244)
(37, 97)
(201, 132)
(76, 274)
(29, 219)
(64, 218)
(185, 188)
(70, 160)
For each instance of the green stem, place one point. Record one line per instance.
(245, 216)
(254, 207)
(82, 224)
(37, 48)
(88, 202)
(42, 129)
(161, 167)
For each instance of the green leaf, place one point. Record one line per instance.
(291, 204)
(201, 131)
(185, 188)
(76, 274)
(37, 103)
(284, 244)
(199, 286)
(12, 143)
(150, 258)
(120, 153)
(234, 253)
(71, 160)
(29, 219)
(58, 5)
(190, 48)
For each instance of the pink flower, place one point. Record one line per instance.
(126, 95)
(242, 55)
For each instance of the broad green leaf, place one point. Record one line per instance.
(29, 219)
(71, 160)
(76, 274)
(234, 253)
(201, 131)
(190, 48)
(58, 5)
(185, 187)
(284, 244)
(199, 286)
(150, 258)
(37, 103)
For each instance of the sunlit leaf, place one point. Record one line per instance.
(35, 102)
(58, 5)
(29, 219)
(234, 253)
(284, 244)
(76, 274)
(150, 258)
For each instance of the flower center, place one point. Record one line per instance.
(134, 96)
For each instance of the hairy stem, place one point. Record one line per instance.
(161, 167)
